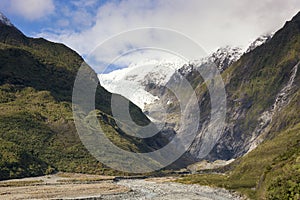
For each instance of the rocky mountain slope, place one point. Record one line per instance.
(259, 86)
(144, 83)
(235, 141)
(146, 87)
(263, 121)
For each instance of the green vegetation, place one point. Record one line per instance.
(37, 132)
(17, 162)
(272, 170)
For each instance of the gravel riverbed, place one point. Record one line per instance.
(143, 189)
(93, 187)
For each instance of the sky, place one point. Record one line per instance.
(83, 25)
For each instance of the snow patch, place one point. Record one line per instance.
(130, 82)
(223, 57)
(259, 41)
(5, 20)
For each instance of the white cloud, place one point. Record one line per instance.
(63, 22)
(80, 14)
(84, 3)
(211, 23)
(29, 9)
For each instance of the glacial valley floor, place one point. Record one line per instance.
(81, 186)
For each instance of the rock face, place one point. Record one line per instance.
(147, 88)
(233, 143)
(283, 98)
(171, 112)
(259, 85)
(139, 81)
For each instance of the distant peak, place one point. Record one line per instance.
(259, 41)
(4, 20)
(223, 58)
(297, 16)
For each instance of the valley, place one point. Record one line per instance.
(81, 186)
(255, 155)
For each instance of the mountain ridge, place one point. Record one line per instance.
(36, 81)
(263, 89)
(5, 20)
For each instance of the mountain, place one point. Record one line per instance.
(167, 108)
(263, 121)
(137, 81)
(37, 130)
(235, 141)
(222, 58)
(259, 41)
(130, 82)
(259, 86)
(144, 84)
(4, 20)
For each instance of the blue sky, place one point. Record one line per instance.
(84, 24)
(53, 16)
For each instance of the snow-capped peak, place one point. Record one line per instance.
(259, 41)
(223, 57)
(130, 82)
(5, 20)
(173, 63)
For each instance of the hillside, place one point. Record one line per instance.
(258, 86)
(263, 90)
(37, 131)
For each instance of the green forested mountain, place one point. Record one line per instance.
(37, 132)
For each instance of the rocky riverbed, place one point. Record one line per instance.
(144, 189)
(90, 187)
